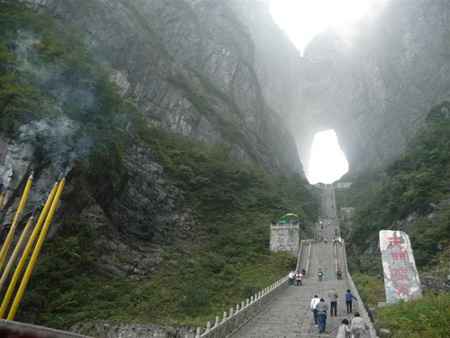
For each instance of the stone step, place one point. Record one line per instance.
(289, 315)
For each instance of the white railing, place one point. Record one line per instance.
(236, 318)
(239, 315)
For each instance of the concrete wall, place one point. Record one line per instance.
(285, 238)
(343, 185)
(11, 329)
(347, 213)
(360, 304)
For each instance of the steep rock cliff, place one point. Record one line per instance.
(192, 66)
(374, 82)
(223, 73)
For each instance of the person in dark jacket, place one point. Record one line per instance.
(348, 301)
(304, 272)
(322, 308)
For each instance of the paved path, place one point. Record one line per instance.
(289, 315)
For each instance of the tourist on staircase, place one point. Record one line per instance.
(291, 278)
(298, 277)
(313, 305)
(359, 327)
(322, 308)
(320, 274)
(344, 331)
(332, 294)
(348, 300)
(339, 274)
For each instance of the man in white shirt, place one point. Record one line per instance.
(291, 278)
(314, 302)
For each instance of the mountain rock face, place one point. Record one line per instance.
(222, 72)
(191, 66)
(375, 81)
(371, 82)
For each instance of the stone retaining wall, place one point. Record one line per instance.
(285, 238)
(9, 328)
(362, 309)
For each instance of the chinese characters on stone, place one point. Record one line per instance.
(400, 274)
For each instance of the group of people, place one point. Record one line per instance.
(337, 241)
(338, 273)
(319, 309)
(296, 277)
(358, 328)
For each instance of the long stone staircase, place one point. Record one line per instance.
(289, 314)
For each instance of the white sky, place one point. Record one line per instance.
(327, 162)
(302, 20)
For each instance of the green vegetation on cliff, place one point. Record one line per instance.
(229, 261)
(46, 72)
(426, 317)
(410, 194)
